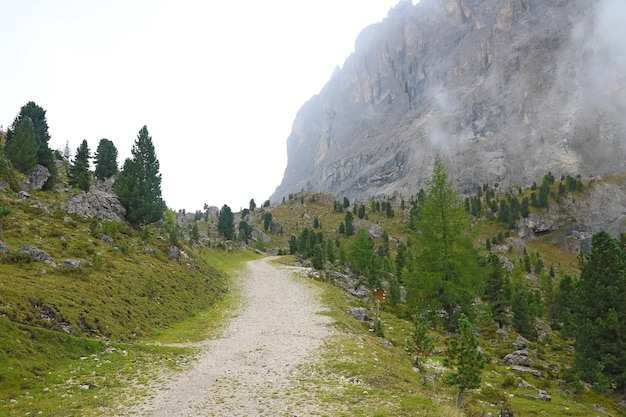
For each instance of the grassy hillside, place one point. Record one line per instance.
(74, 328)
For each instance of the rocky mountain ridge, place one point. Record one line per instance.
(504, 91)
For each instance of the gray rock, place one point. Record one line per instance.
(259, 236)
(37, 254)
(150, 251)
(360, 313)
(541, 396)
(599, 409)
(521, 343)
(3, 247)
(35, 179)
(526, 369)
(23, 195)
(504, 335)
(96, 204)
(174, 253)
(73, 263)
(106, 239)
(361, 292)
(519, 357)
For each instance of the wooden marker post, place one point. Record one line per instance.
(379, 294)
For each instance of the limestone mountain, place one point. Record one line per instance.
(503, 90)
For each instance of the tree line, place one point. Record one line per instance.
(137, 184)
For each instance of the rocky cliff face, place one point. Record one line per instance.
(503, 90)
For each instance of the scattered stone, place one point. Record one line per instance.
(73, 263)
(599, 409)
(519, 357)
(37, 254)
(543, 331)
(106, 239)
(23, 195)
(504, 335)
(521, 343)
(361, 292)
(525, 369)
(3, 247)
(174, 253)
(68, 219)
(150, 251)
(360, 313)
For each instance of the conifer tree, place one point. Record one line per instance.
(45, 157)
(600, 314)
(226, 223)
(139, 183)
(21, 147)
(446, 271)
(105, 159)
(467, 360)
(79, 175)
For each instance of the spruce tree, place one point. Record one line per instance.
(45, 157)
(79, 175)
(226, 223)
(105, 159)
(446, 275)
(467, 360)
(139, 183)
(600, 314)
(21, 147)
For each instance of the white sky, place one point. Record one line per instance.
(218, 83)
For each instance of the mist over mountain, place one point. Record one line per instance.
(503, 90)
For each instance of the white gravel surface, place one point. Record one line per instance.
(254, 369)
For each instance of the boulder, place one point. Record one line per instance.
(37, 254)
(526, 369)
(258, 236)
(174, 253)
(361, 292)
(519, 357)
(360, 313)
(73, 263)
(35, 179)
(3, 247)
(521, 343)
(96, 204)
(106, 239)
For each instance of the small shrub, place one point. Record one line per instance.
(17, 258)
(509, 382)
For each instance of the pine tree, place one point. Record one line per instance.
(21, 147)
(79, 175)
(45, 157)
(467, 360)
(447, 274)
(600, 314)
(139, 183)
(226, 223)
(105, 159)
(496, 287)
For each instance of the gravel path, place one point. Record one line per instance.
(253, 370)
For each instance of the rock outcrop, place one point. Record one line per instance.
(503, 90)
(99, 202)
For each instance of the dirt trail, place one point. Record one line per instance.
(253, 369)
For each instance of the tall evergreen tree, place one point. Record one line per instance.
(497, 289)
(467, 360)
(105, 159)
(139, 183)
(226, 223)
(446, 274)
(79, 175)
(21, 148)
(45, 157)
(600, 314)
